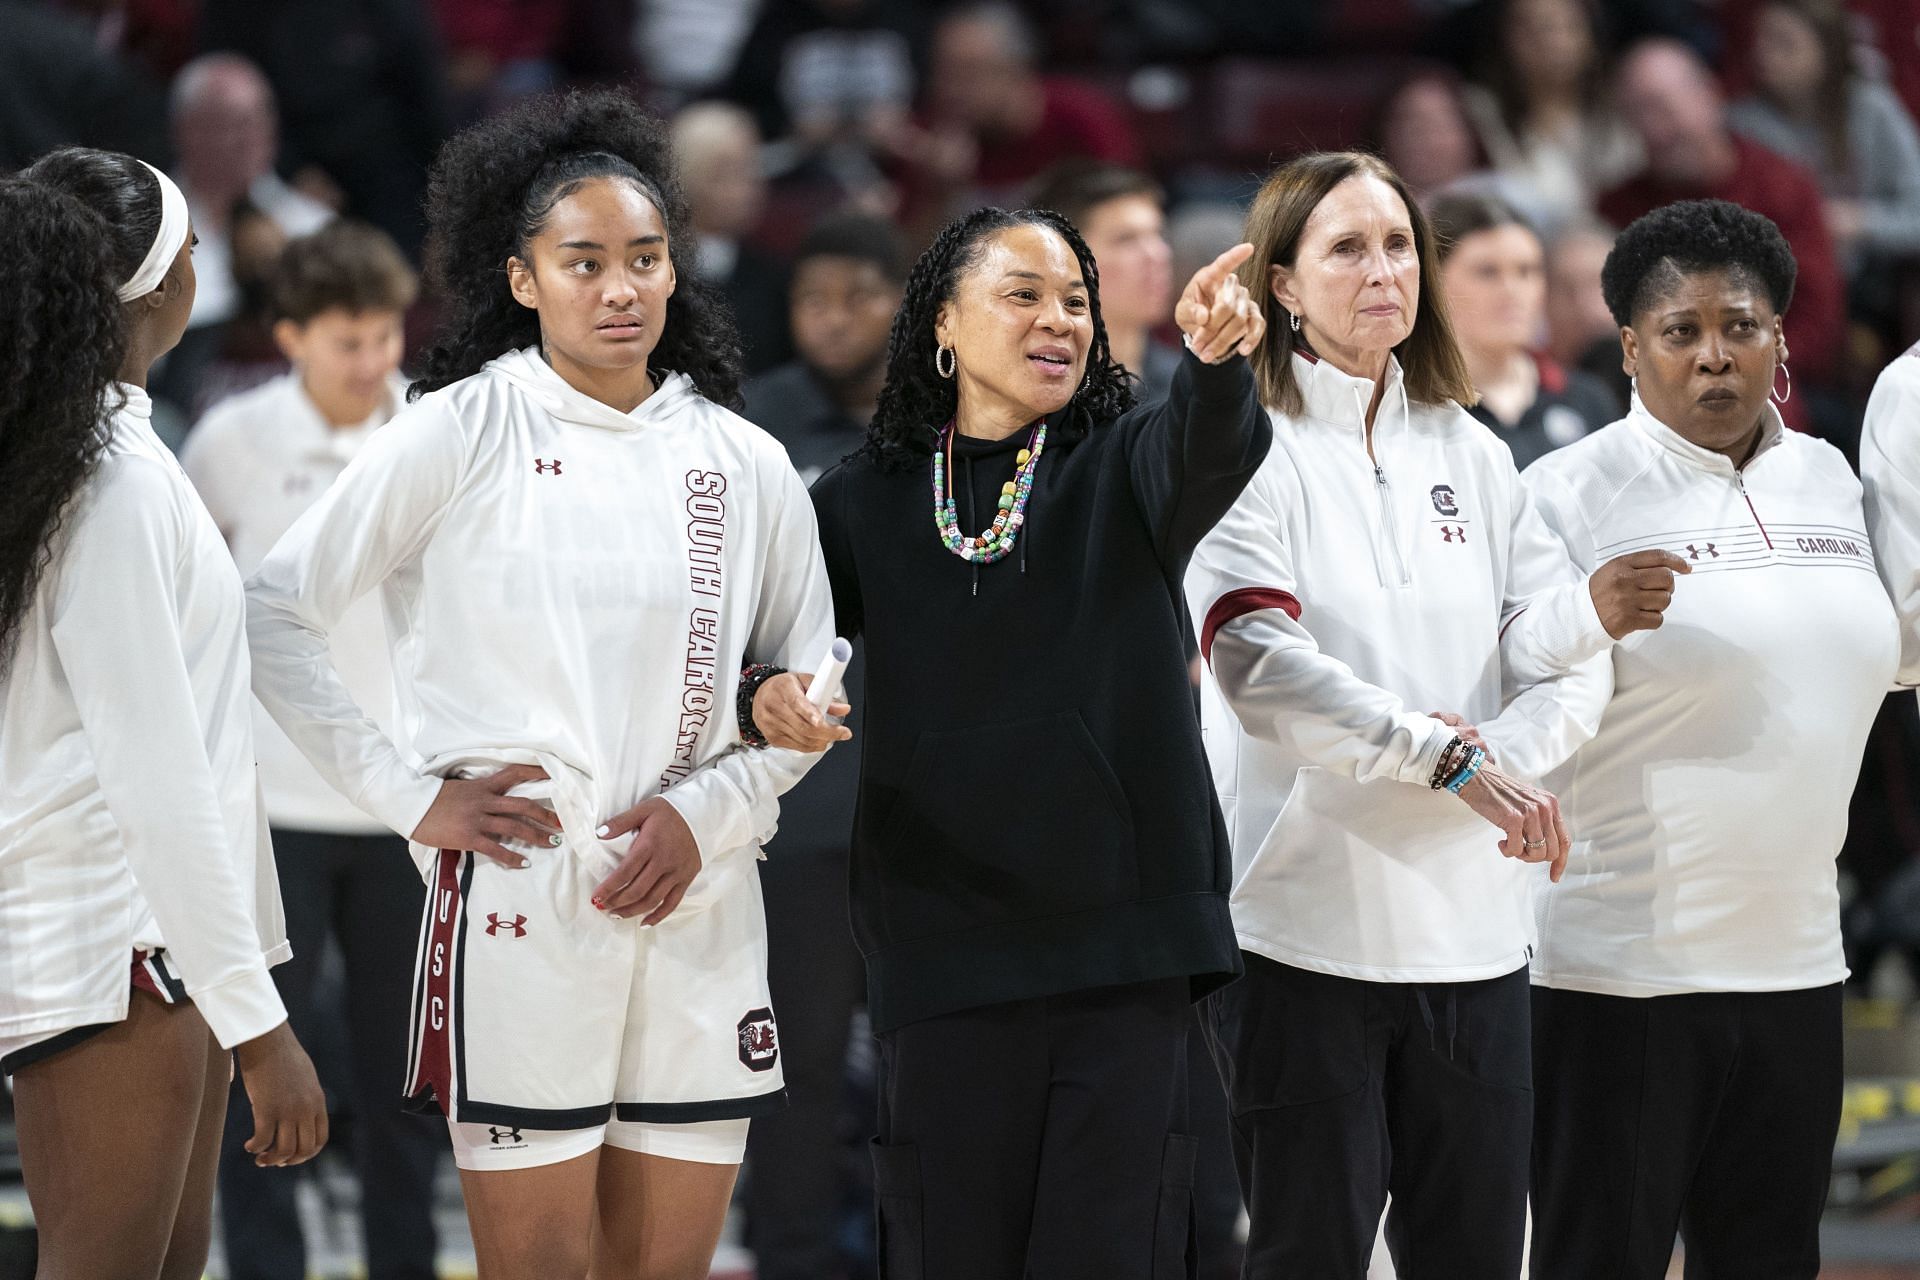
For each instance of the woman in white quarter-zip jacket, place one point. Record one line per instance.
(138, 908)
(577, 547)
(1687, 1014)
(1360, 610)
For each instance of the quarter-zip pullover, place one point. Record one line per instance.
(1708, 808)
(1351, 591)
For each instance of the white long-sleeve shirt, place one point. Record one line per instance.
(1342, 601)
(129, 810)
(1707, 810)
(1890, 472)
(259, 459)
(563, 585)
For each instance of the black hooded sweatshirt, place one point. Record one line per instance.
(1035, 812)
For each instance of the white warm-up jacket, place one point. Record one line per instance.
(1343, 599)
(1707, 809)
(129, 811)
(563, 585)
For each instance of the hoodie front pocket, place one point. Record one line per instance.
(1005, 821)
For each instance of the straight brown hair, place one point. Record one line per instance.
(1430, 359)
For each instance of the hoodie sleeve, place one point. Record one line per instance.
(118, 577)
(733, 801)
(1189, 456)
(1548, 622)
(1890, 477)
(1271, 671)
(1547, 719)
(376, 517)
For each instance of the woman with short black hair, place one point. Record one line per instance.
(139, 912)
(1039, 867)
(1687, 986)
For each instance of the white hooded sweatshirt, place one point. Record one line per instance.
(564, 585)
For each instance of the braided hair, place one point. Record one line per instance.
(63, 336)
(916, 401)
(491, 191)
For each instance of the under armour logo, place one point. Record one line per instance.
(495, 924)
(504, 1137)
(1693, 552)
(545, 468)
(1453, 533)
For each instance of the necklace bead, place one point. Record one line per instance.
(1010, 514)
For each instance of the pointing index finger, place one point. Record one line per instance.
(1210, 276)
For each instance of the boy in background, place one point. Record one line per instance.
(260, 459)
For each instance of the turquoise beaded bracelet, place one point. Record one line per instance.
(1458, 781)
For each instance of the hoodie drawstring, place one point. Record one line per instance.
(1453, 1016)
(970, 521)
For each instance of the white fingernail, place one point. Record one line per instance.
(556, 840)
(602, 832)
(524, 864)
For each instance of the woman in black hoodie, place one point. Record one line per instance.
(1039, 865)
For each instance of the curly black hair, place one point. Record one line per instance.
(917, 402)
(1659, 249)
(118, 188)
(491, 190)
(63, 336)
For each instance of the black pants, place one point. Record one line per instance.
(1039, 1140)
(1710, 1115)
(1343, 1091)
(362, 891)
(796, 1183)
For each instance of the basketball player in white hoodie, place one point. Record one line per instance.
(577, 549)
(138, 908)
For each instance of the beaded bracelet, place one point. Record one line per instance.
(1468, 771)
(751, 678)
(1451, 757)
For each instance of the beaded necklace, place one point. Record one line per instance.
(998, 540)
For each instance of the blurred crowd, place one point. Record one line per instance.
(823, 141)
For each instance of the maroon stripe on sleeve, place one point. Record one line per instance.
(1236, 604)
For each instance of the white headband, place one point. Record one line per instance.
(166, 245)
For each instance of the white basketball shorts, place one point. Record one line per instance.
(534, 1011)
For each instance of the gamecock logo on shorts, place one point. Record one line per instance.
(759, 1045)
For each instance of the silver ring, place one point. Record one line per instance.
(1533, 844)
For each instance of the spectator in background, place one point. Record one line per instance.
(847, 283)
(1422, 129)
(498, 50)
(1121, 215)
(821, 70)
(226, 135)
(259, 460)
(1671, 99)
(720, 165)
(361, 90)
(1810, 105)
(1542, 115)
(59, 88)
(992, 122)
(1494, 280)
(1580, 330)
